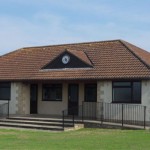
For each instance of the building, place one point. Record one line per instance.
(50, 79)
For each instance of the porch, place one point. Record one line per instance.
(51, 97)
(81, 101)
(101, 115)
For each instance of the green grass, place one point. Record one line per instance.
(87, 139)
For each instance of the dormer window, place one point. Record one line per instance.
(69, 59)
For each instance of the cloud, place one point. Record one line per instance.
(46, 29)
(17, 32)
(69, 21)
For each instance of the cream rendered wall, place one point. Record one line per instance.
(52, 107)
(56, 108)
(81, 93)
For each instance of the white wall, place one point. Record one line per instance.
(104, 94)
(104, 91)
(146, 97)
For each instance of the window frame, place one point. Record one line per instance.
(85, 86)
(52, 86)
(9, 87)
(132, 94)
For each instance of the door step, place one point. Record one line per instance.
(36, 119)
(31, 126)
(35, 122)
(51, 124)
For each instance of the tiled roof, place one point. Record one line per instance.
(140, 53)
(80, 54)
(110, 60)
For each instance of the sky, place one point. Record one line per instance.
(26, 23)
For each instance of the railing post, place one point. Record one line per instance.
(8, 110)
(63, 119)
(144, 117)
(101, 112)
(122, 115)
(82, 111)
(73, 118)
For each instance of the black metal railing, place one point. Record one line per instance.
(67, 118)
(69, 115)
(4, 110)
(129, 114)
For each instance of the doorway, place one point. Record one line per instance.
(73, 99)
(33, 98)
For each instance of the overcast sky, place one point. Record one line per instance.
(26, 23)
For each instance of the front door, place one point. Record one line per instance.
(33, 98)
(73, 95)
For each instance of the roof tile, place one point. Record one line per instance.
(110, 60)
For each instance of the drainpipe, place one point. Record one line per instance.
(144, 117)
(8, 109)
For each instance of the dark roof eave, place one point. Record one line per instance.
(75, 79)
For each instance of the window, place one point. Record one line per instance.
(90, 92)
(127, 92)
(52, 92)
(4, 91)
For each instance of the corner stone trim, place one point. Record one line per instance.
(22, 97)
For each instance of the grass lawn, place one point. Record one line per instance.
(87, 139)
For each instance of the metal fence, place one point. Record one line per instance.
(129, 114)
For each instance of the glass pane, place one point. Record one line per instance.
(74, 93)
(122, 94)
(137, 91)
(45, 93)
(33, 93)
(90, 93)
(5, 85)
(4, 93)
(122, 83)
(58, 93)
(52, 92)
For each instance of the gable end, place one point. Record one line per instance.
(72, 62)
